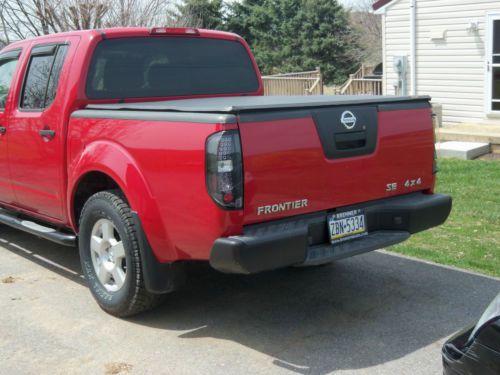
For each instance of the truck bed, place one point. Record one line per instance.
(296, 148)
(241, 104)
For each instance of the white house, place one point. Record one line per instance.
(448, 49)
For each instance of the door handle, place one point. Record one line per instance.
(47, 133)
(3, 130)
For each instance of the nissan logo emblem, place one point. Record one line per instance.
(348, 120)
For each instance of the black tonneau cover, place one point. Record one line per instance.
(241, 104)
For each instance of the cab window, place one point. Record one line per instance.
(8, 64)
(42, 77)
(175, 66)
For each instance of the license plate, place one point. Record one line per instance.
(347, 225)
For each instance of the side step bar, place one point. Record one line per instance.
(41, 231)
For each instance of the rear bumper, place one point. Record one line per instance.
(303, 240)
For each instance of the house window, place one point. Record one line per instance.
(496, 38)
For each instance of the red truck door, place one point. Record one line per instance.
(8, 65)
(36, 134)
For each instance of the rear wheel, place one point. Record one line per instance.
(110, 256)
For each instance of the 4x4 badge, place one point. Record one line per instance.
(348, 120)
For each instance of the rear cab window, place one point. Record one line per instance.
(142, 67)
(8, 65)
(42, 76)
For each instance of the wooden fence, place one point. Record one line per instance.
(303, 83)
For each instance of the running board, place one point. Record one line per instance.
(41, 231)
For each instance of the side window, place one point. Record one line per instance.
(40, 84)
(35, 85)
(8, 64)
(56, 72)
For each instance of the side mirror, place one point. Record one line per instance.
(489, 335)
(489, 317)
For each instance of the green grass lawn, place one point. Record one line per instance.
(470, 238)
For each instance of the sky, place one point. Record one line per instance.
(343, 2)
(350, 2)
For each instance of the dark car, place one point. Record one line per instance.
(476, 349)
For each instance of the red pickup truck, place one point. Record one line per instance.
(153, 147)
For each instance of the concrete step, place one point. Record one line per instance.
(444, 135)
(481, 133)
(462, 150)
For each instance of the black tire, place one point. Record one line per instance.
(314, 265)
(132, 297)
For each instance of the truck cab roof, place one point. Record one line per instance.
(123, 32)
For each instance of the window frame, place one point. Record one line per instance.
(495, 65)
(14, 54)
(47, 49)
(56, 55)
(489, 111)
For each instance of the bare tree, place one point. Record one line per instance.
(369, 26)
(20, 19)
(84, 14)
(139, 13)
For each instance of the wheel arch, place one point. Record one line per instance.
(89, 184)
(105, 165)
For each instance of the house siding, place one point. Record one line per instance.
(396, 29)
(452, 70)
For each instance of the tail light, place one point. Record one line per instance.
(224, 169)
(174, 31)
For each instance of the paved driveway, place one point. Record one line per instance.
(372, 314)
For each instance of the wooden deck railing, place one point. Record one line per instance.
(302, 83)
(361, 83)
(363, 86)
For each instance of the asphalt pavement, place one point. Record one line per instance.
(372, 314)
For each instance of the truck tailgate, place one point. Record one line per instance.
(313, 159)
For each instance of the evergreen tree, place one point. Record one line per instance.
(297, 35)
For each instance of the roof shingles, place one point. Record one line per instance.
(380, 3)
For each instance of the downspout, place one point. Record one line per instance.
(413, 46)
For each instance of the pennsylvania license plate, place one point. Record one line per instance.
(347, 225)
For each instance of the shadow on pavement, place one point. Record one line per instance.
(352, 314)
(62, 260)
